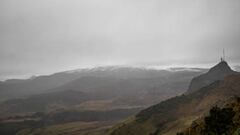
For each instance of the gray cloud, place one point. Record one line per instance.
(52, 35)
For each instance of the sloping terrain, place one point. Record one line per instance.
(175, 114)
(18, 88)
(115, 91)
(216, 73)
(221, 119)
(102, 96)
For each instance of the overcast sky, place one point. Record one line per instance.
(46, 36)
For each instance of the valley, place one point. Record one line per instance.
(87, 100)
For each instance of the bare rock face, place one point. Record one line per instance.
(216, 73)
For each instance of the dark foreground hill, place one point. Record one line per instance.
(221, 119)
(176, 114)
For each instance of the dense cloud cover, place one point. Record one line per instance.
(45, 36)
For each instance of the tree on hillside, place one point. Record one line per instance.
(220, 121)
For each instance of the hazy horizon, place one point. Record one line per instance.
(49, 36)
(234, 66)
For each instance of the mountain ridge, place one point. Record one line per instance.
(21, 88)
(218, 72)
(170, 116)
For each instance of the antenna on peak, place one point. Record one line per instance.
(223, 57)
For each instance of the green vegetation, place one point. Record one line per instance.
(220, 121)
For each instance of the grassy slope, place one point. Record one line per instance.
(71, 128)
(137, 128)
(198, 124)
(176, 113)
(69, 122)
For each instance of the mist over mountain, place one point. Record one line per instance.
(123, 86)
(119, 67)
(180, 94)
(20, 88)
(237, 68)
(173, 115)
(88, 94)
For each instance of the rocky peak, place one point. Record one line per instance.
(221, 67)
(218, 72)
